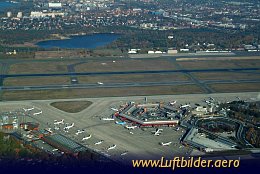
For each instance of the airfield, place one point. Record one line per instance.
(140, 144)
(25, 79)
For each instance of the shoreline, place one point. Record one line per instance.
(33, 44)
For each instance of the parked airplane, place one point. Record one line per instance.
(80, 132)
(100, 83)
(68, 127)
(37, 113)
(114, 109)
(157, 132)
(173, 102)
(166, 144)
(99, 142)
(86, 138)
(120, 123)
(107, 119)
(211, 98)
(124, 153)
(130, 127)
(28, 109)
(58, 122)
(185, 106)
(111, 147)
(49, 130)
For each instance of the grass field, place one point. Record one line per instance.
(133, 78)
(225, 76)
(37, 81)
(99, 92)
(125, 65)
(220, 64)
(241, 87)
(71, 106)
(39, 67)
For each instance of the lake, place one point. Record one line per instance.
(4, 5)
(85, 41)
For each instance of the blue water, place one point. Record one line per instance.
(5, 5)
(86, 41)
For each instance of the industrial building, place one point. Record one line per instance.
(150, 115)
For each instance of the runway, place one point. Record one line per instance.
(3, 76)
(123, 85)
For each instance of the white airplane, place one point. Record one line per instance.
(114, 109)
(185, 106)
(49, 130)
(100, 83)
(120, 123)
(173, 102)
(58, 122)
(80, 132)
(124, 153)
(37, 113)
(107, 119)
(208, 102)
(166, 144)
(99, 142)
(130, 127)
(28, 109)
(68, 127)
(111, 147)
(157, 132)
(86, 138)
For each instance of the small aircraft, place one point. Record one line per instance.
(49, 130)
(58, 122)
(28, 109)
(111, 147)
(100, 83)
(80, 132)
(37, 113)
(68, 127)
(185, 106)
(107, 119)
(120, 123)
(173, 102)
(114, 109)
(130, 127)
(86, 138)
(157, 132)
(99, 142)
(124, 153)
(166, 144)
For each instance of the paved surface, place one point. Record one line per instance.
(140, 145)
